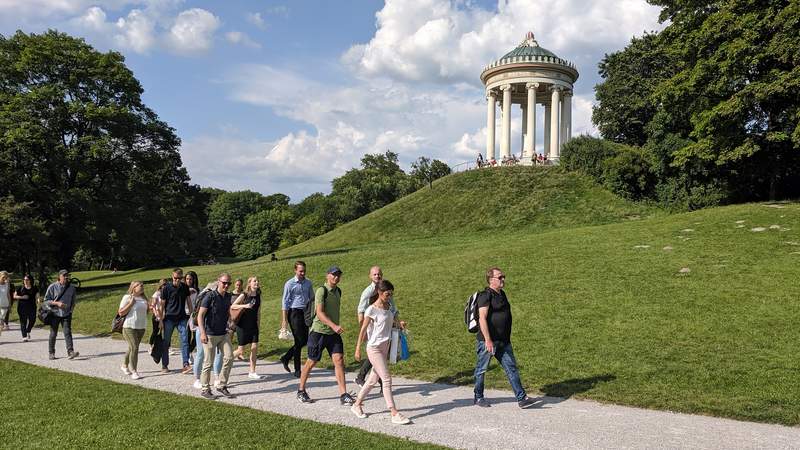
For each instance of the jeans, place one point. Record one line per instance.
(221, 344)
(505, 355)
(183, 332)
(199, 357)
(297, 323)
(27, 317)
(54, 323)
(133, 337)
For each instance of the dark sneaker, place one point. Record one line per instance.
(303, 397)
(73, 355)
(225, 392)
(297, 374)
(481, 402)
(526, 402)
(206, 393)
(285, 363)
(359, 381)
(164, 370)
(346, 399)
(52, 356)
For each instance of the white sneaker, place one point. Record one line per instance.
(125, 370)
(197, 384)
(216, 384)
(135, 376)
(400, 419)
(26, 339)
(358, 411)
(254, 376)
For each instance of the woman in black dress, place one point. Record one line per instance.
(249, 323)
(25, 296)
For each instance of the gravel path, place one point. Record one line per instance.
(442, 414)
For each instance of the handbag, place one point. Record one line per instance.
(404, 353)
(119, 321)
(44, 313)
(394, 346)
(285, 335)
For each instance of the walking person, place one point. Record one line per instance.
(375, 276)
(175, 295)
(134, 307)
(157, 306)
(26, 306)
(326, 334)
(212, 319)
(379, 319)
(6, 299)
(60, 297)
(193, 283)
(494, 338)
(199, 356)
(249, 323)
(297, 292)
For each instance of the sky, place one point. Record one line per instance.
(284, 96)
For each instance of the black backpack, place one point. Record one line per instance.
(471, 313)
(198, 301)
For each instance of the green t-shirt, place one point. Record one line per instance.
(330, 306)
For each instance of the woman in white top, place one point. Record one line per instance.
(134, 307)
(5, 299)
(377, 325)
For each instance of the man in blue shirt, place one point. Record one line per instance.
(297, 292)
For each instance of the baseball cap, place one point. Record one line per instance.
(334, 269)
(63, 272)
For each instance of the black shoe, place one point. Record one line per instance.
(225, 392)
(73, 355)
(481, 402)
(297, 374)
(52, 356)
(346, 399)
(285, 363)
(303, 397)
(526, 402)
(206, 393)
(360, 381)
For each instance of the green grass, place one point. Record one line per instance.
(50, 408)
(594, 316)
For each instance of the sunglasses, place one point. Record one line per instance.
(225, 283)
(501, 277)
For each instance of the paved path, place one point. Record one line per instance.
(442, 414)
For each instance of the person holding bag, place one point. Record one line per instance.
(134, 308)
(377, 326)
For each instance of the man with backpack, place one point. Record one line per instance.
(60, 298)
(212, 319)
(298, 294)
(326, 334)
(494, 338)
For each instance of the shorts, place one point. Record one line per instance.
(318, 341)
(246, 336)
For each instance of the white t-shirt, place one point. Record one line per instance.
(137, 315)
(4, 288)
(380, 329)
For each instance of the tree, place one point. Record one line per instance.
(227, 214)
(261, 232)
(426, 171)
(92, 161)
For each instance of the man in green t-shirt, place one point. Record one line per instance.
(326, 334)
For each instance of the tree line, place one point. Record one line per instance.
(89, 174)
(704, 112)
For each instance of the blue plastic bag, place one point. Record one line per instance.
(404, 353)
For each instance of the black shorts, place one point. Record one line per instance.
(318, 341)
(247, 336)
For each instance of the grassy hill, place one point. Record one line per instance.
(531, 199)
(691, 312)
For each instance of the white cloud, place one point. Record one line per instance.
(256, 19)
(239, 38)
(193, 31)
(136, 31)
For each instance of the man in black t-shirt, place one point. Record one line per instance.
(494, 338)
(174, 296)
(212, 318)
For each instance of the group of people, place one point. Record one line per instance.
(538, 159)
(203, 318)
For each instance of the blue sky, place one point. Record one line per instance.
(284, 96)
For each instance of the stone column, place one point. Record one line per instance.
(530, 123)
(505, 139)
(523, 129)
(491, 109)
(568, 115)
(546, 149)
(555, 103)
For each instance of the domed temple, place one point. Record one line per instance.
(530, 76)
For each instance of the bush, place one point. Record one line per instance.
(630, 173)
(586, 154)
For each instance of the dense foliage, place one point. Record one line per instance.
(713, 101)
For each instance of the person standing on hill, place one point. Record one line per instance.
(297, 292)
(60, 298)
(26, 306)
(326, 334)
(494, 338)
(375, 276)
(174, 296)
(212, 319)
